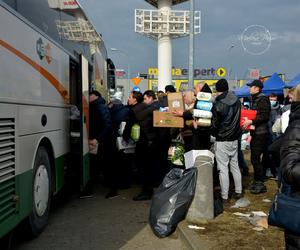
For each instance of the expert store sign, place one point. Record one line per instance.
(207, 72)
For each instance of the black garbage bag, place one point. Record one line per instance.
(171, 201)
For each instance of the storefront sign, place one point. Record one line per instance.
(184, 72)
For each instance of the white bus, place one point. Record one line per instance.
(50, 55)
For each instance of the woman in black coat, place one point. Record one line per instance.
(290, 161)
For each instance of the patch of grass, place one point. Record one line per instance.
(229, 231)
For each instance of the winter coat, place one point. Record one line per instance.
(100, 121)
(261, 104)
(119, 113)
(226, 117)
(274, 115)
(142, 114)
(290, 164)
(290, 150)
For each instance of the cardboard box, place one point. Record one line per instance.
(167, 120)
(175, 102)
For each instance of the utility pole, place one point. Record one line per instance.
(191, 47)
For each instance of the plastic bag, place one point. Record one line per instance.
(135, 132)
(172, 200)
(176, 151)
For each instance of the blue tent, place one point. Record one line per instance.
(243, 91)
(294, 82)
(273, 85)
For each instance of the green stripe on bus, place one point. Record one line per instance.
(86, 170)
(20, 200)
(60, 164)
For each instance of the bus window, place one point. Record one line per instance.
(39, 14)
(11, 3)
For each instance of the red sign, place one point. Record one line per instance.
(63, 4)
(120, 73)
(254, 73)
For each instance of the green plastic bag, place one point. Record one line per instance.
(135, 132)
(176, 151)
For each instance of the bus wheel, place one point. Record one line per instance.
(38, 218)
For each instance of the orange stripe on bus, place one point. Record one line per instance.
(57, 85)
(85, 107)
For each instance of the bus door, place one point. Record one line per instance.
(79, 124)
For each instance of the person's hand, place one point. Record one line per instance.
(195, 125)
(177, 112)
(93, 142)
(246, 124)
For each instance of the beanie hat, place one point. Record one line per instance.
(170, 88)
(222, 85)
(96, 93)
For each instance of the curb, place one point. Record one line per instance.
(191, 239)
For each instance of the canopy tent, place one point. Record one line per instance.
(243, 91)
(273, 85)
(294, 82)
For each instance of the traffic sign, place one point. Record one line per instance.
(221, 72)
(136, 81)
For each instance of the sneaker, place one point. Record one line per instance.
(274, 178)
(237, 196)
(86, 196)
(226, 203)
(253, 184)
(124, 186)
(258, 188)
(245, 173)
(142, 197)
(268, 173)
(112, 194)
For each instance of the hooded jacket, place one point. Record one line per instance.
(119, 113)
(226, 117)
(100, 121)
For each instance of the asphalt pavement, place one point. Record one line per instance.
(99, 223)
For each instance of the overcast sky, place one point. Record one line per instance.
(220, 42)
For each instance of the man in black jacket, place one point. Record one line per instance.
(260, 134)
(101, 133)
(226, 129)
(142, 114)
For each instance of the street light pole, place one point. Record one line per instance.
(191, 47)
(128, 65)
(230, 64)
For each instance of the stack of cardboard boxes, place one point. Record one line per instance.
(202, 112)
(167, 119)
